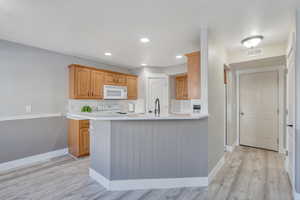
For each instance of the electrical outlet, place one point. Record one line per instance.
(28, 108)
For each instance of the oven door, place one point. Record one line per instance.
(115, 92)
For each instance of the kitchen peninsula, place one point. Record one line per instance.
(143, 151)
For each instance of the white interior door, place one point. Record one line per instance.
(259, 109)
(291, 99)
(158, 88)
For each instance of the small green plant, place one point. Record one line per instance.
(86, 109)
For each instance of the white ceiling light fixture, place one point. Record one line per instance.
(144, 40)
(144, 64)
(179, 56)
(108, 54)
(253, 41)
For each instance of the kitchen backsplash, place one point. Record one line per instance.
(181, 106)
(105, 105)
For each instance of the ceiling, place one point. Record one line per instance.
(88, 29)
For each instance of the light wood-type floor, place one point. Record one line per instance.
(251, 174)
(66, 178)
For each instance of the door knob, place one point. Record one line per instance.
(242, 113)
(290, 125)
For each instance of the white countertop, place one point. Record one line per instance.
(133, 116)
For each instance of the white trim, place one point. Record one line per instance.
(30, 116)
(296, 196)
(281, 117)
(230, 148)
(204, 67)
(32, 159)
(139, 184)
(216, 169)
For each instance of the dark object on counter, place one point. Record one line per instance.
(196, 108)
(122, 113)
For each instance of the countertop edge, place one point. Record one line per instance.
(124, 118)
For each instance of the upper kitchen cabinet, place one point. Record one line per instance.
(193, 76)
(79, 82)
(181, 87)
(97, 82)
(87, 82)
(115, 79)
(132, 87)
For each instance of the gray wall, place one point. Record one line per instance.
(23, 138)
(297, 143)
(35, 76)
(40, 78)
(216, 98)
(146, 149)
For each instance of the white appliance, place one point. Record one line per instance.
(115, 92)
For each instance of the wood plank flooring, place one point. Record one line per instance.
(251, 174)
(65, 178)
(248, 174)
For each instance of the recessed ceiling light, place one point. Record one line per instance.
(179, 56)
(144, 64)
(108, 54)
(145, 40)
(253, 41)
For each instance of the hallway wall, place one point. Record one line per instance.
(216, 98)
(297, 144)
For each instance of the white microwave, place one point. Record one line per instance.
(114, 92)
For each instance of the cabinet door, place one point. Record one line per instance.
(181, 88)
(132, 87)
(84, 141)
(121, 80)
(194, 78)
(83, 82)
(97, 83)
(185, 88)
(110, 79)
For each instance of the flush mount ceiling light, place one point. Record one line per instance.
(145, 40)
(108, 54)
(253, 41)
(144, 64)
(179, 56)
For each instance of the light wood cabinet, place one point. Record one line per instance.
(82, 84)
(84, 141)
(181, 87)
(87, 82)
(78, 137)
(132, 87)
(97, 82)
(115, 79)
(194, 78)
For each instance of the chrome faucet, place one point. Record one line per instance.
(157, 107)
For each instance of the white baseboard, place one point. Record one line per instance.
(216, 169)
(229, 148)
(140, 184)
(31, 160)
(296, 196)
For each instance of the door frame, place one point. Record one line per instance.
(290, 58)
(281, 101)
(156, 76)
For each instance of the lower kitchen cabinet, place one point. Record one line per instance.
(78, 137)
